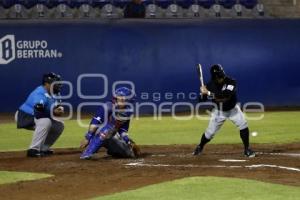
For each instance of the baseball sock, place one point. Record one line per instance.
(203, 141)
(244, 133)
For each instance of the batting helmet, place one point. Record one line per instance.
(217, 71)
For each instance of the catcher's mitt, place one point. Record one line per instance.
(136, 149)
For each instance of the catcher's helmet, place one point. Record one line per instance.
(129, 97)
(50, 78)
(217, 71)
(125, 92)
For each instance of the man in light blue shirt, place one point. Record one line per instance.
(36, 114)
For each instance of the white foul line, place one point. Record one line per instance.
(274, 166)
(287, 154)
(141, 164)
(232, 160)
(282, 154)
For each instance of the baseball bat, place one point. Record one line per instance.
(200, 74)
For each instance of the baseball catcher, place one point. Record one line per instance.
(109, 128)
(222, 90)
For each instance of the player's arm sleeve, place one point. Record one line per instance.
(97, 119)
(40, 103)
(123, 131)
(100, 117)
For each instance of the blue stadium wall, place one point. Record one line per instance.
(157, 56)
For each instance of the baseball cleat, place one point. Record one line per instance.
(33, 153)
(86, 157)
(48, 152)
(197, 151)
(249, 153)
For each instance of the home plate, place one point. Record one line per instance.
(232, 160)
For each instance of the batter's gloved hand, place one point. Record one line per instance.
(203, 90)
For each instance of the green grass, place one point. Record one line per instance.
(275, 127)
(209, 188)
(12, 177)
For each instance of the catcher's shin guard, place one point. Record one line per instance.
(94, 145)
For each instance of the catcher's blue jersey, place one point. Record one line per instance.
(104, 115)
(38, 96)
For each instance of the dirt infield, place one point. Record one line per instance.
(80, 179)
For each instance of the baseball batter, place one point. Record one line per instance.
(109, 128)
(35, 114)
(222, 90)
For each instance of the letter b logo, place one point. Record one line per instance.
(7, 49)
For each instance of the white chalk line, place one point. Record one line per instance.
(274, 166)
(141, 164)
(232, 160)
(295, 155)
(282, 154)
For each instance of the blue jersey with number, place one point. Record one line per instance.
(38, 96)
(104, 115)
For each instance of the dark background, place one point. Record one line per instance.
(160, 56)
